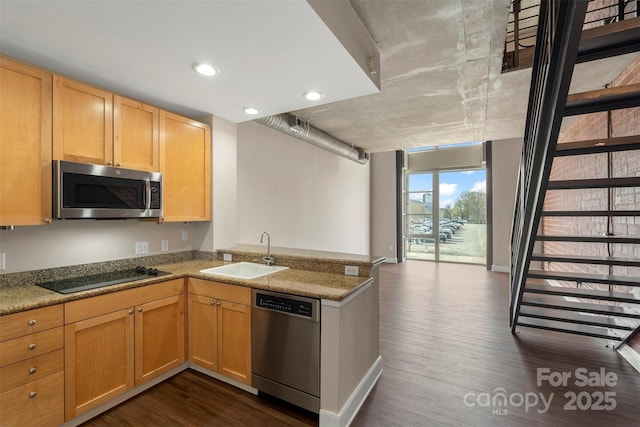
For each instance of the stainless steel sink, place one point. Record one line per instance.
(244, 270)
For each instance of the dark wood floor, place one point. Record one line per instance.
(443, 338)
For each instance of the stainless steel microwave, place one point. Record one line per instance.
(94, 191)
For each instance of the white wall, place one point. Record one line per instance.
(305, 197)
(73, 242)
(505, 160)
(383, 205)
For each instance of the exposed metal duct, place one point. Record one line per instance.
(298, 128)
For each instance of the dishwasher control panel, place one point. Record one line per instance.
(284, 304)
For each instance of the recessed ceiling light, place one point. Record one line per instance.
(205, 70)
(313, 95)
(251, 110)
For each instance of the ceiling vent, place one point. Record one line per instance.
(301, 129)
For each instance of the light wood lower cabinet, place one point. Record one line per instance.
(31, 368)
(220, 328)
(159, 341)
(116, 341)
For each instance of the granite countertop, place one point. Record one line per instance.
(306, 254)
(336, 287)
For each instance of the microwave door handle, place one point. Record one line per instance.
(147, 193)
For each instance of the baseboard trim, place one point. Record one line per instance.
(500, 268)
(630, 356)
(222, 378)
(355, 401)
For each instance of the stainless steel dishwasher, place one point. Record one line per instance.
(285, 347)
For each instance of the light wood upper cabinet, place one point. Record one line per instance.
(82, 123)
(94, 126)
(25, 144)
(185, 163)
(220, 328)
(135, 135)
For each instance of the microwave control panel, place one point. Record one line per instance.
(155, 195)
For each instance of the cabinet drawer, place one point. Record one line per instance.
(87, 308)
(223, 291)
(40, 403)
(29, 346)
(28, 322)
(30, 370)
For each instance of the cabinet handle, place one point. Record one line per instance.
(32, 322)
(109, 163)
(213, 303)
(32, 371)
(31, 347)
(33, 394)
(48, 221)
(130, 311)
(140, 310)
(218, 304)
(118, 164)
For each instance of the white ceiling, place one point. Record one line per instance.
(440, 62)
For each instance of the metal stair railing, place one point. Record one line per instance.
(559, 31)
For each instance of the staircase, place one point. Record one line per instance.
(555, 284)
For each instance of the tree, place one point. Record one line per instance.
(471, 206)
(447, 212)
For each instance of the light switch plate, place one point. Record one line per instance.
(3, 260)
(165, 246)
(227, 257)
(185, 235)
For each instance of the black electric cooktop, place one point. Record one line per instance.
(83, 283)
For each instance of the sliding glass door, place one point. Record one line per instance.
(446, 214)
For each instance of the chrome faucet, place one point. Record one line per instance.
(269, 260)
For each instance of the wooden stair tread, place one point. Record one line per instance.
(591, 213)
(594, 146)
(591, 239)
(587, 259)
(585, 277)
(571, 328)
(573, 184)
(627, 297)
(611, 98)
(552, 302)
(576, 317)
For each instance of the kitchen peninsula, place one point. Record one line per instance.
(350, 361)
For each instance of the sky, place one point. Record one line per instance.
(451, 184)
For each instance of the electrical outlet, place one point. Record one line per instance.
(351, 270)
(227, 257)
(3, 260)
(165, 246)
(185, 235)
(142, 248)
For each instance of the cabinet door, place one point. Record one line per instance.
(135, 135)
(98, 360)
(25, 144)
(159, 337)
(82, 123)
(185, 162)
(203, 331)
(234, 341)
